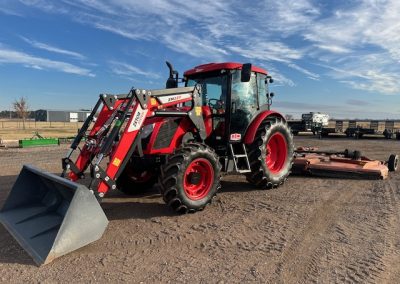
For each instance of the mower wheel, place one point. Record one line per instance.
(270, 154)
(134, 182)
(190, 178)
(393, 163)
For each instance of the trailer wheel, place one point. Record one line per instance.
(393, 163)
(190, 178)
(270, 155)
(133, 182)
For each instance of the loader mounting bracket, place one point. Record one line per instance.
(68, 164)
(108, 100)
(98, 174)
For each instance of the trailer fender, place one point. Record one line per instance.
(255, 123)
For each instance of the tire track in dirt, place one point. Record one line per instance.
(297, 257)
(359, 248)
(393, 258)
(357, 243)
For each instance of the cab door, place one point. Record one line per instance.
(244, 104)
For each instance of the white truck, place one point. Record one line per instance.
(310, 122)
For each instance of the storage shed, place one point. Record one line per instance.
(61, 115)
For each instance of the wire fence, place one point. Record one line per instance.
(18, 124)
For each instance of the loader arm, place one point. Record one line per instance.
(116, 131)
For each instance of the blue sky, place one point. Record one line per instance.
(340, 57)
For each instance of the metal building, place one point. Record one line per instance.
(61, 115)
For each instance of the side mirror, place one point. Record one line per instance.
(245, 75)
(269, 79)
(271, 95)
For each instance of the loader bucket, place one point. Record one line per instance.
(50, 216)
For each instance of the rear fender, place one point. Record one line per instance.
(256, 122)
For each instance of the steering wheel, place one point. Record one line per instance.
(214, 103)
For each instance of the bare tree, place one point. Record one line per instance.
(21, 108)
(289, 117)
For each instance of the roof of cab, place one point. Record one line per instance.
(209, 67)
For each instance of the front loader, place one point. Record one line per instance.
(180, 138)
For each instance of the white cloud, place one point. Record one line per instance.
(45, 5)
(285, 33)
(193, 45)
(211, 31)
(268, 51)
(371, 72)
(17, 57)
(51, 48)
(333, 48)
(10, 12)
(127, 70)
(279, 78)
(311, 75)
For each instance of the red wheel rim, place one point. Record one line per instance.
(202, 188)
(276, 153)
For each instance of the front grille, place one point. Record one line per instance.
(166, 133)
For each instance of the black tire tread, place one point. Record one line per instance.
(175, 164)
(257, 176)
(393, 163)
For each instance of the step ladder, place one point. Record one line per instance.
(237, 156)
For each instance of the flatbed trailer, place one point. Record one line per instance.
(392, 129)
(357, 130)
(338, 128)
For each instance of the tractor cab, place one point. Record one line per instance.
(233, 94)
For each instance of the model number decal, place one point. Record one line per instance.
(173, 98)
(138, 118)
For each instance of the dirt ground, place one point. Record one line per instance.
(308, 230)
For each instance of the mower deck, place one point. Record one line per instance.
(310, 162)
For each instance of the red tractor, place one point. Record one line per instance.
(183, 139)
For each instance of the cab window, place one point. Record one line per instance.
(213, 88)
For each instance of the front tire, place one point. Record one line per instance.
(190, 178)
(271, 154)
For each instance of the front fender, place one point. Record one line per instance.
(255, 123)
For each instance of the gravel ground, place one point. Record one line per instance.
(308, 230)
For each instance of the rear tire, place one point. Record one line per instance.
(190, 178)
(271, 154)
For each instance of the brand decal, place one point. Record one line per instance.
(138, 118)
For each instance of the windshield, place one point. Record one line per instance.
(213, 88)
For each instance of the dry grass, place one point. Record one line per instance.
(13, 129)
